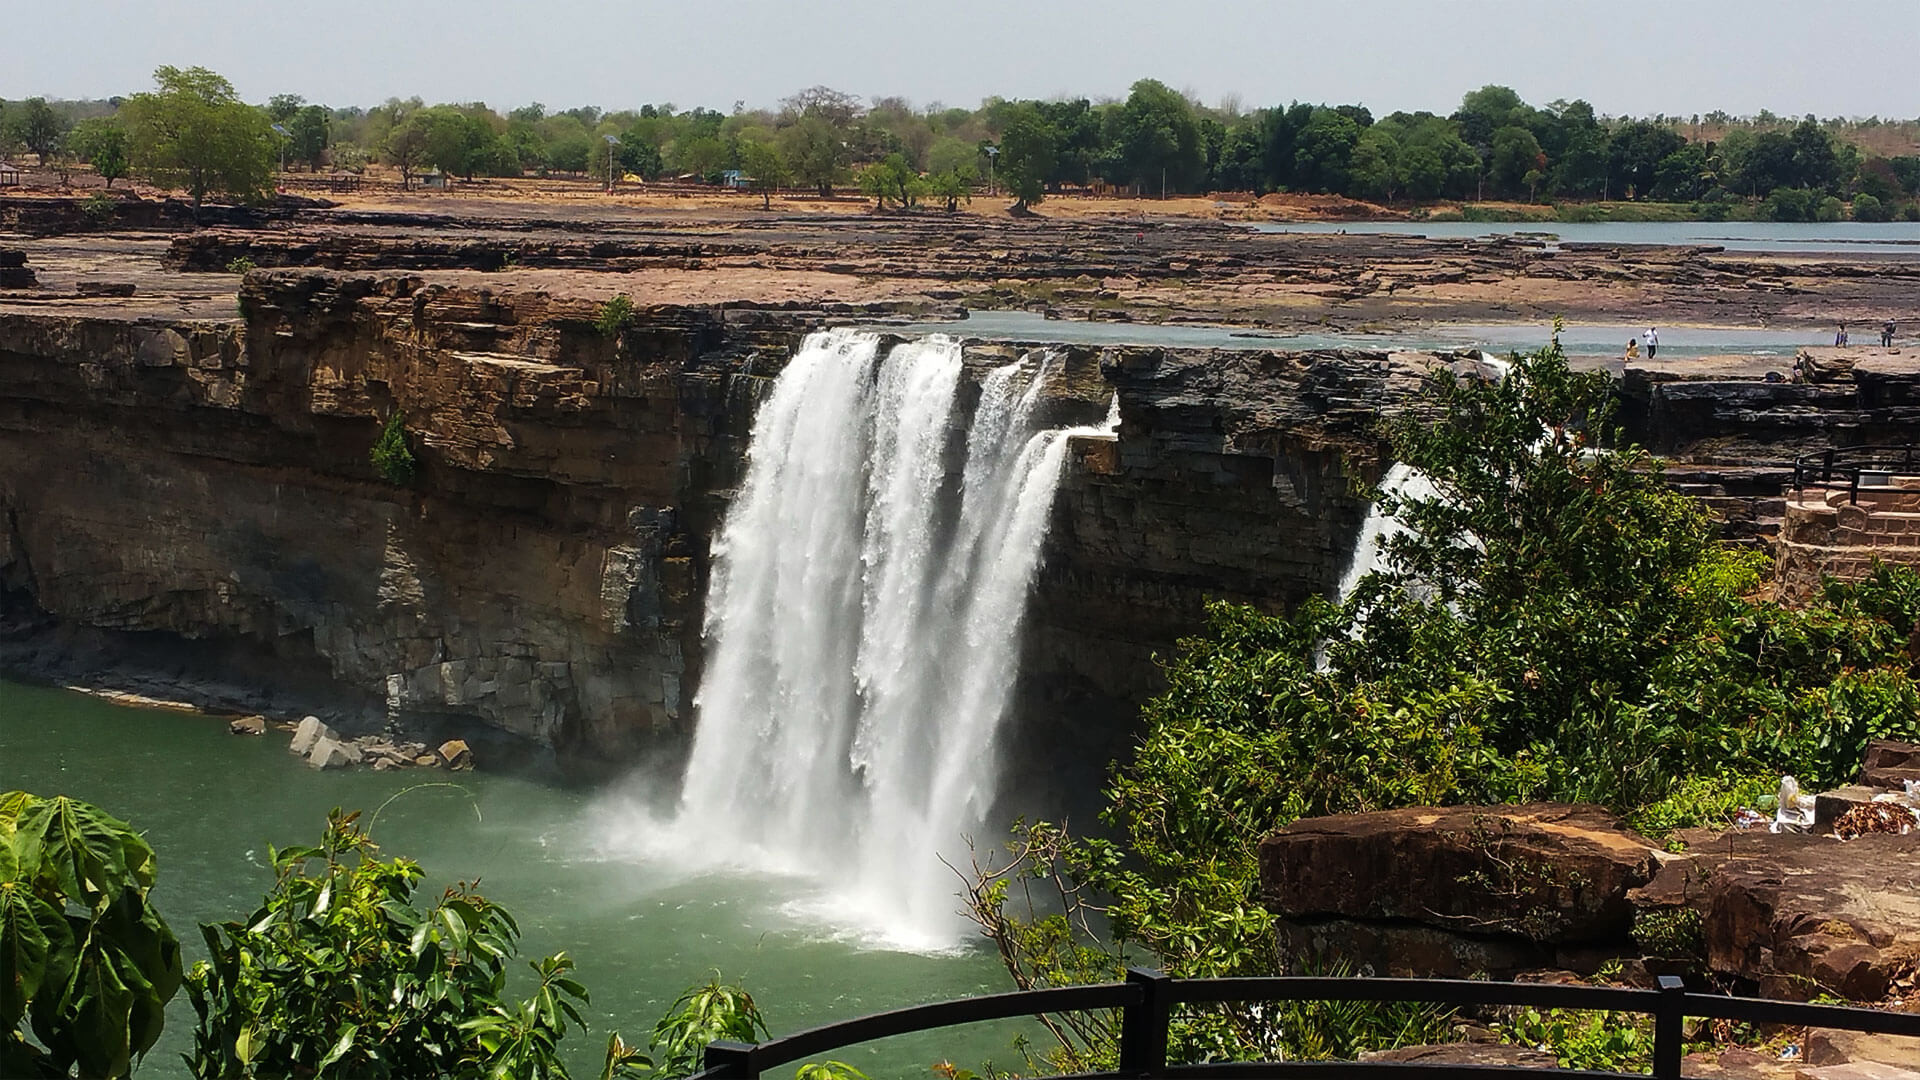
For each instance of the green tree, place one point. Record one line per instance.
(1684, 175)
(817, 150)
(766, 168)
(406, 147)
(1636, 150)
(35, 125)
(86, 963)
(1515, 153)
(308, 135)
(193, 132)
(1157, 138)
(952, 186)
(1323, 149)
(639, 154)
(100, 141)
(1376, 171)
(1868, 208)
(1026, 155)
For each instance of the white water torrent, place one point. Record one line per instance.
(1369, 551)
(863, 626)
(1406, 482)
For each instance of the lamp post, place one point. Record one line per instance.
(992, 153)
(285, 138)
(611, 143)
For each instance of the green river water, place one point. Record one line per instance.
(641, 931)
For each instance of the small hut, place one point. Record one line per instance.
(9, 175)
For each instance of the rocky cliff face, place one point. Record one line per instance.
(193, 501)
(198, 499)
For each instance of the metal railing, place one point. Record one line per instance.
(1847, 463)
(1147, 1000)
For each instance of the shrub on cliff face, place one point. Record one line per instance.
(615, 315)
(391, 455)
(1557, 624)
(86, 963)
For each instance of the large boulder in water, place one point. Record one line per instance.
(309, 732)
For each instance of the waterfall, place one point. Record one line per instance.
(863, 625)
(1369, 552)
(1406, 482)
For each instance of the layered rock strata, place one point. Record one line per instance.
(194, 500)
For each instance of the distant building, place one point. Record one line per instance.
(9, 176)
(733, 178)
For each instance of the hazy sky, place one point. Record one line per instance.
(1625, 56)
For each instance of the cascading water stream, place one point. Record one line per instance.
(1405, 482)
(863, 625)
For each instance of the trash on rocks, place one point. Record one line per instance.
(1876, 817)
(1796, 810)
(1745, 819)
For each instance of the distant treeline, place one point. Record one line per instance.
(1155, 141)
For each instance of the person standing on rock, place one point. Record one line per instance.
(1886, 334)
(1633, 351)
(1840, 336)
(1652, 338)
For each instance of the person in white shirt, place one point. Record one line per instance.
(1652, 338)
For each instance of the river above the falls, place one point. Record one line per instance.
(642, 931)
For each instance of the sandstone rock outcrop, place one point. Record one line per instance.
(1800, 916)
(1455, 891)
(1503, 890)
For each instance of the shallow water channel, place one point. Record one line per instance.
(563, 861)
(1783, 237)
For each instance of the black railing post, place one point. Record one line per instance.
(1669, 1028)
(733, 1060)
(1797, 485)
(1853, 488)
(1143, 1025)
(1826, 471)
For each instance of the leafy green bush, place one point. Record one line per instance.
(85, 961)
(98, 207)
(392, 457)
(1868, 208)
(1790, 204)
(704, 1014)
(239, 265)
(615, 315)
(339, 974)
(1603, 1042)
(1677, 934)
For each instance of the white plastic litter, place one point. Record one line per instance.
(1796, 810)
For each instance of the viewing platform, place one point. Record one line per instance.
(1841, 530)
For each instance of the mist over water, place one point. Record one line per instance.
(863, 632)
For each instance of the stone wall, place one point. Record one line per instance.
(1833, 532)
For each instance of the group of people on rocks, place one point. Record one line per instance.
(1886, 334)
(1651, 338)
